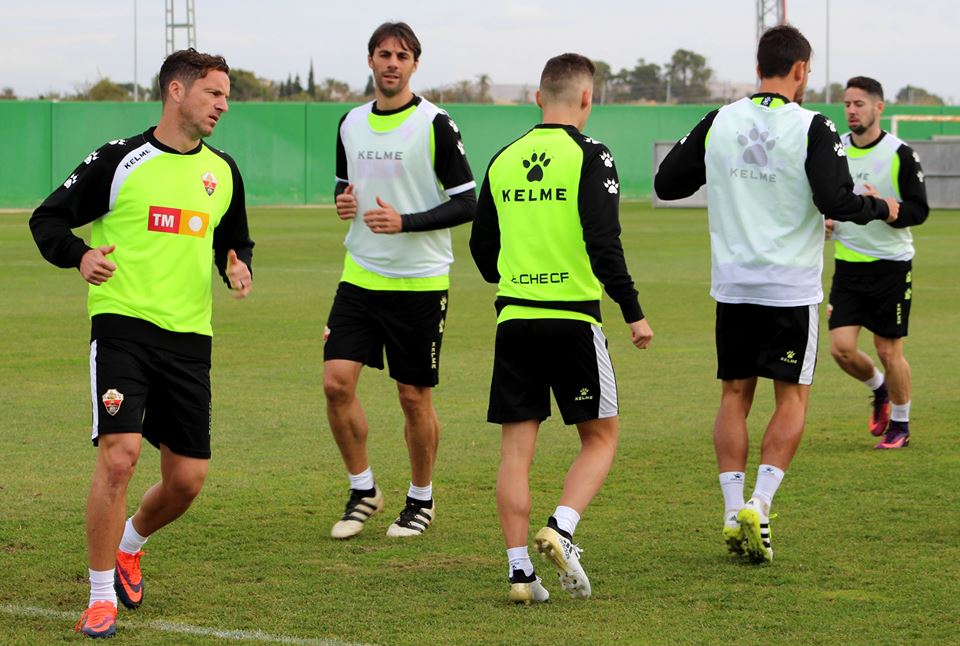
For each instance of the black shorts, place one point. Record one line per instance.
(144, 389)
(880, 303)
(533, 356)
(762, 341)
(408, 325)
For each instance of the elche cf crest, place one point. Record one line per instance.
(209, 182)
(112, 400)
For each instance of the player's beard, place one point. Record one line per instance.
(859, 129)
(798, 96)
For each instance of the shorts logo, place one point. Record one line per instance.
(209, 182)
(443, 303)
(112, 400)
(791, 357)
(584, 395)
(433, 355)
(179, 221)
(440, 327)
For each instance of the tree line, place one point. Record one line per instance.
(685, 78)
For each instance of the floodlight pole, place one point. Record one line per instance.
(136, 84)
(189, 24)
(826, 94)
(769, 14)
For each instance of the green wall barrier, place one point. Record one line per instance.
(25, 165)
(286, 150)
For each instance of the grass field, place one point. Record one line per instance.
(867, 543)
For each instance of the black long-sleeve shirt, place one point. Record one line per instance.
(684, 170)
(449, 164)
(598, 207)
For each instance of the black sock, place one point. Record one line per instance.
(423, 504)
(364, 493)
(552, 524)
(519, 576)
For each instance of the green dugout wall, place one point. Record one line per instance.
(286, 150)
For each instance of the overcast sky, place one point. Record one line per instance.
(57, 45)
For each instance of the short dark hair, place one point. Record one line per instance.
(186, 66)
(399, 30)
(560, 69)
(779, 49)
(868, 85)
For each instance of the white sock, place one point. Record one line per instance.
(101, 587)
(900, 412)
(519, 560)
(567, 518)
(769, 478)
(731, 484)
(421, 493)
(363, 480)
(132, 542)
(876, 380)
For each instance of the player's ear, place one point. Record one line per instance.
(176, 90)
(799, 71)
(539, 100)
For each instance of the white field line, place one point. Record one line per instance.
(183, 629)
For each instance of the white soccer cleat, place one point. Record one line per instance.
(527, 588)
(358, 510)
(412, 521)
(565, 556)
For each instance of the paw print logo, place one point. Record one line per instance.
(590, 140)
(70, 181)
(830, 125)
(461, 149)
(440, 327)
(757, 144)
(920, 176)
(443, 303)
(607, 159)
(584, 392)
(838, 148)
(117, 142)
(791, 354)
(611, 186)
(536, 164)
(92, 157)
(908, 294)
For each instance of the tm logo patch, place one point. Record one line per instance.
(179, 221)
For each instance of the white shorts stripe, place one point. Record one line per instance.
(608, 381)
(810, 354)
(93, 390)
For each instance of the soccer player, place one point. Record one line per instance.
(402, 181)
(771, 168)
(872, 283)
(547, 232)
(164, 206)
